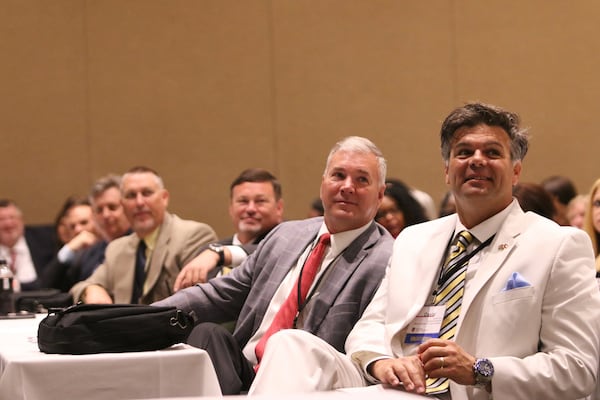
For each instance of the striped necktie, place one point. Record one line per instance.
(450, 293)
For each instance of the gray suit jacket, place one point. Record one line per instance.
(176, 244)
(246, 292)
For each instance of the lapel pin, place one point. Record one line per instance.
(502, 246)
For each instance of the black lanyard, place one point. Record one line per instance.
(464, 261)
(302, 304)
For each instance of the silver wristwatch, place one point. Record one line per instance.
(483, 371)
(220, 250)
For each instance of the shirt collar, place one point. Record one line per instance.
(341, 240)
(490, 226)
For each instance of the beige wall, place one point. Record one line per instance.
(202, 89)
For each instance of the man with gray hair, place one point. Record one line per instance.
(141, 267)
(316, 275)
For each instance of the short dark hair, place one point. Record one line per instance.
(473, 114)
(7, 203)
(533, 197)
(257, 175)
(560, 187)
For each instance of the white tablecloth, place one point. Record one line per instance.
(28, 374)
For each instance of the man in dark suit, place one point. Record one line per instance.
(85, 252)
(26, 250)
(350, 272)
(255, 207)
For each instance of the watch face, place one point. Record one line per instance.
(484, 367)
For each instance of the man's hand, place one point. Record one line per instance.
(407, 371)
(196, 271)
(95, 294)
(82, 240)
(444, 358)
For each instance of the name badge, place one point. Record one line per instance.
(426, 325)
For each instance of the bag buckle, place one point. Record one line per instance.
(179, 320)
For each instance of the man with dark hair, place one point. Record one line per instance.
(488, 302)
(27, 250)
(562, 190)
(141, 267)
(255, 207)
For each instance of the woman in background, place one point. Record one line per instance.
(399, 208)
(591, 223)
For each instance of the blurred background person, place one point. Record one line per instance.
(315, 209)
(591, 223)
(447, 205)
(399, 208)
(533, 197)
(26, 250)
(562, 190)
(63, 270)
(576, 210)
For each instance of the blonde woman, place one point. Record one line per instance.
(592, 221)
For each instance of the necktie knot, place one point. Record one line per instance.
(325, 239)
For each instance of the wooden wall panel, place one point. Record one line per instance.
(200, 89)
(43, 117)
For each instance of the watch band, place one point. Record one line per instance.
(220, 250)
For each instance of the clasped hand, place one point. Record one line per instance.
(434, 359)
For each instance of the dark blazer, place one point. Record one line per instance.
(43, 245)
(247, 291)
(63, 276)
(248, 248)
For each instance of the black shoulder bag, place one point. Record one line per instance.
(112, 328)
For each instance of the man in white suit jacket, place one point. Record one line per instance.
(529, 322)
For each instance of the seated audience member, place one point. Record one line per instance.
(591, 223)
(447, 205)
(533, 197)
(142, 267)
(423, 198)
(27, 250)
(255, 207)
(399, 208)
(63, 233)
(562, 191)
(576, 210)
(341, 257)
(488, 302)
(78, 218)
(316, 208)
(110, 222)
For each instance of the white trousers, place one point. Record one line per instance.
(296, 361)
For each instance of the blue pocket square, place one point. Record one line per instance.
(516, 281)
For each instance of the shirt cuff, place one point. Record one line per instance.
(238, 255)
(65, 254)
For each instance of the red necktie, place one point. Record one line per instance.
(284, 318)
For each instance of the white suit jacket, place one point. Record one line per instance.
(543, 339)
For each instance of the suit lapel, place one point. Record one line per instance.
(339, 273)
(500, 248)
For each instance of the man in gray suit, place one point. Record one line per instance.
(352, 268)
(141, 267)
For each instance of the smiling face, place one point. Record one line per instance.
(351, 190)
(11, 225)
(254, 209)
(480, 172)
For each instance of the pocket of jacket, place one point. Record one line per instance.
(514, 294)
